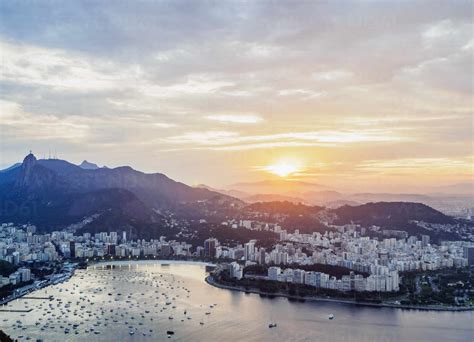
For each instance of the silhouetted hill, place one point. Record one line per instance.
(285, 207)
(51, 193)
(272, 198)
(278, 186)
(389, 213)
(289, 215)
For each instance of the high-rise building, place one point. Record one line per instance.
(113, 237)
(249, 250)
(25, 274)
(274, 272)
(200, 251)
(210, 247)
(236, 271)
(298, 276)
(425, 240)
(383, 258)
(72, 249)
(469, 254)
(165, 250)
(111, 249)
(261, 255)
(246, 224)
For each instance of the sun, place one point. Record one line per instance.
(283, 169)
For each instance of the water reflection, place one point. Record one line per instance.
(106, 303)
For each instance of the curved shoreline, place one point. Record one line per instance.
(105, 263)
(141, 262)
(210, 281)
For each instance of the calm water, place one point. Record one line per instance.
(107, 304)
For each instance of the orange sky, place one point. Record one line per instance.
(360, 96)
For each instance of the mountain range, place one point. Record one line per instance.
(448, 199)
(54, 194)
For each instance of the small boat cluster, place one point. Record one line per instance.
(132, 301)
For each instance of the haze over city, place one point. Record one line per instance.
(360, 96)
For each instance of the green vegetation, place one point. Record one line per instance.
(231, 237)
(289, 215)
(453, 287)
(7, 268)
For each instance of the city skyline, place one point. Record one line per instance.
(357, 95)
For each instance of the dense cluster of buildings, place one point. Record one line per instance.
(21, 275)
(21, 244)
(345, 247)
(385, 281)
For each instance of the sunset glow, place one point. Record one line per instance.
(283, 169)
(245, 93)
(306, 150)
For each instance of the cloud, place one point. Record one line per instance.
(17, 124)
(236, 118)
(225, 140)
(332, 75)
(407, 121)
(304, 93)
(414, 165)
(364, 80)
(453, 74)
(60, 70)
(164, 125)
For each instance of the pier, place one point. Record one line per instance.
(18, 310)
(41, 298)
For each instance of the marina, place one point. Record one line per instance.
(145, 301)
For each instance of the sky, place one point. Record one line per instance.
(355, 95)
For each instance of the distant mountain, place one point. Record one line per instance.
(53, 193)
(339, 203)
(285, 208)
(290, 215)
(88, 166)
(249, 198)
(446, 203)
(401, 216)
(233, 193)
(448, 199)
(381, 213)
(321, 198)
(458, 189)
(280, 187)
(272, 198)
(389, 214)
(388, 197)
